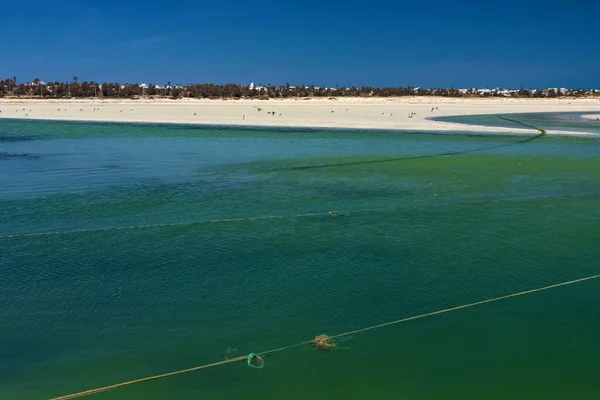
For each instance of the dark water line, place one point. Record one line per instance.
(437, 155)
(19, 156)
(522, 124)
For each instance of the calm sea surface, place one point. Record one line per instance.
(132, 250)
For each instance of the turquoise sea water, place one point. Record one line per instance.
(157, 247)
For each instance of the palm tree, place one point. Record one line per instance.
(75, 79)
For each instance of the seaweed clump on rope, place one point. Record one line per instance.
(323, 342)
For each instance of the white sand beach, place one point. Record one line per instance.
(374, 113)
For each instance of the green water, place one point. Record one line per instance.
(234, 248)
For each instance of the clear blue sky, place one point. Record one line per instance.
(428, 43)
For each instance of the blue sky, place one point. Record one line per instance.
(428, 43)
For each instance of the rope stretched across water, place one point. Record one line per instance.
(165, 225)
(289, 216)
(149, 378)
(241, 358)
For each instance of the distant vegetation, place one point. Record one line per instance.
(75, 89)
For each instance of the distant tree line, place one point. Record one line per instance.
(75, 89)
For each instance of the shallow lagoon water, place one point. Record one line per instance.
(234, 248)
(557, 121)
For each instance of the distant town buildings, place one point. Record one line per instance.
(75, 88)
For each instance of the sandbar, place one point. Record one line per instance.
(401, 113)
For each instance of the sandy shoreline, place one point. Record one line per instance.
(360, 113)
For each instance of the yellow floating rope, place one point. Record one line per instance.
(149, 378)
(322, 339)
